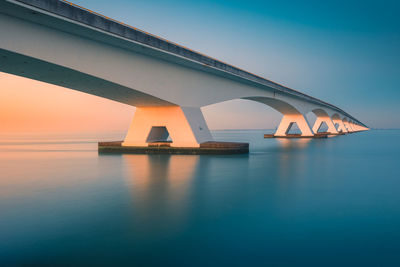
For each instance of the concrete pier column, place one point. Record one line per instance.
(354, 127)
(185, 126)
(347, 125)
(329, 123)
(341, 128)
(351, 126)
(360, 128)
(289, 120)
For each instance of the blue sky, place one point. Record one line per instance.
(343, 52)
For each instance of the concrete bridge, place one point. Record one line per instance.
(60, 43)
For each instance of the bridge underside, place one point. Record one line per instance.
(40, 70)
(185, 125)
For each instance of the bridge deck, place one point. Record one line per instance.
(88, 18)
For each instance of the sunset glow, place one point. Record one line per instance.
(29, 106)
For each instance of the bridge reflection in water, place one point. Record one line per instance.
(160, 187)
(168, 192)
(287, 197)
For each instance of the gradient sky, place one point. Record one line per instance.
(343, 52)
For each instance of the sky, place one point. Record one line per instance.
(344, 52)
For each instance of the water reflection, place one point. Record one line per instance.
(169, 191)
(287, 197)
(166, 187)
(291, 158)
(160, 186)
(293, 143)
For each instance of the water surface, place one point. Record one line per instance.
(322, 202)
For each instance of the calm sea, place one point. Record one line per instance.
(322, 202)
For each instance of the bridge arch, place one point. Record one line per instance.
(291, 115)
(336, 116)
(319, 112)
(347, 124)
(279, 105)
(339, 123)
(323, 122)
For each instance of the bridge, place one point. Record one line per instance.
(64, 44)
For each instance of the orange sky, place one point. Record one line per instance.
(31, 106)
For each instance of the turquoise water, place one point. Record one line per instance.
(322, 202)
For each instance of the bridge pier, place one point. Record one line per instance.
(359, 128)
(320, 120)
(185, 126)
(170, 130)
(354, 127)
(340, 128)
(348, 126)
(288, 121)
(362, 128)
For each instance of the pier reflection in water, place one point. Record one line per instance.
(160, 188)
(314, 200)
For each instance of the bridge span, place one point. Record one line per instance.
(61, 43)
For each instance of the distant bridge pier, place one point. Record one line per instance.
(288, 121)
(323, 117)
(353, 126)
(359, 128)
(337, 121)
(319, 122)
(347, 125)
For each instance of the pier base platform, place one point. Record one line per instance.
(288, 136)
(317, 135)
(215, 148)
